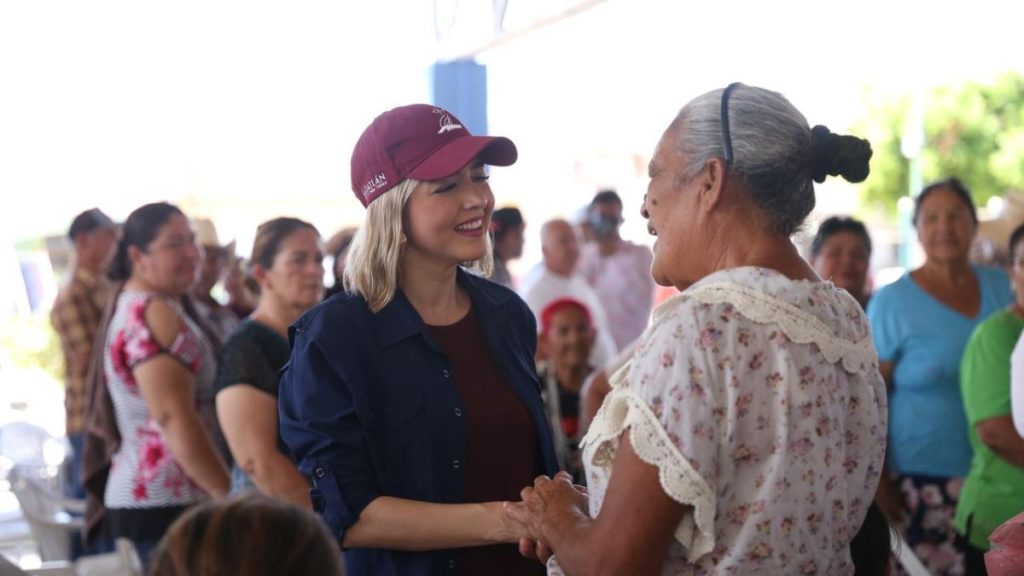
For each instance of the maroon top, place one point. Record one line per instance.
(503, 449)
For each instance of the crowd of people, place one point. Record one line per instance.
(430, 413)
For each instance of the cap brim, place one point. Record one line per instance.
(452, 157)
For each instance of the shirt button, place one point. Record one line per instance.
(447, 374)
(458, 411)
(451, 564)
(456, 464)
(319, 472)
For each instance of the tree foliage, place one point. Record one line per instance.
(974, 131)
(30, 343)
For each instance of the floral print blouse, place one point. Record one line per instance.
(144, 473)
(759, 400)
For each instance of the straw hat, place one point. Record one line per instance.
(206, 236)
(997, 230)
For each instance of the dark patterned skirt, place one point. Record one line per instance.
(928, 528)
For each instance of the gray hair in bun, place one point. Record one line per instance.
(772, 148)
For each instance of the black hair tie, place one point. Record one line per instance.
(824, 148)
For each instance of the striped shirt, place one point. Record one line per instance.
(144, 473)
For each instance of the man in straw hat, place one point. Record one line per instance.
(219, 318)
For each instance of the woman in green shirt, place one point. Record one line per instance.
(994, 488)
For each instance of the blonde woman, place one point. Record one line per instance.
(412, 399)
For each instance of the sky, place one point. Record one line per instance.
(244, 111)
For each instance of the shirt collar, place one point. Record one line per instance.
(399, 320)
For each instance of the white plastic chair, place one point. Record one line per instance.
(123, 561)
(52, 569)
(27, 445)
(51, 517)
(8, 568)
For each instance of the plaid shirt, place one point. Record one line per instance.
(76, 316)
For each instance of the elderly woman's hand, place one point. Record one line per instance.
(548, 506)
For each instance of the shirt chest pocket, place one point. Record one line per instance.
(395, 395)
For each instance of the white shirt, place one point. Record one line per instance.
(546, 287)
(1017, 385)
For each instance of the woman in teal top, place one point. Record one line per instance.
(994, 489)
(920, 325)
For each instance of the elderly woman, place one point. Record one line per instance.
(747, 433)
(159, 367)
(412, 399)
(288, 272)
(567, 337)
(841, 252)
(921, 324)
(994, 488)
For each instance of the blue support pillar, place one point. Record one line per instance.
(460, 86)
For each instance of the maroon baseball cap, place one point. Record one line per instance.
(419, 141)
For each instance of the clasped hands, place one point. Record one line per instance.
(547, 509)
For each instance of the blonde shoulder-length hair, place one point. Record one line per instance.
(374, 265)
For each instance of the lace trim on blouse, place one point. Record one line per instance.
(625, 409)
(799, 326)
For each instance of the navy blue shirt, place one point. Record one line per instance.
(369, 408)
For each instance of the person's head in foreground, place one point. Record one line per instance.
(732, 178)
(252, 535)
(423, 180)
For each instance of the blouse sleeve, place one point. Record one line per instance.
(138, 343)
(985, 371)
(882, 315)
(1017, 385)
(670, 407)
(320, 426)
(244, 361)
